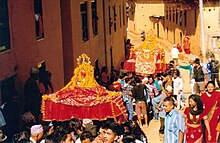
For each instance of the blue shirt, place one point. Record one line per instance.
(125, 92)
(158, 102)
(174, 122)
(157, 85)
(208, 68)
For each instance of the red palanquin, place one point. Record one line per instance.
(93, 103)
(83, 98)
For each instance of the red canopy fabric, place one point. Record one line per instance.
(92, 103)
(83, 98)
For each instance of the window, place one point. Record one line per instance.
(120, 15)
(94, 18)
(83, 10)
(123, 14)
(185, 18)
(181, 16)
(158, 30)
(39, 27)
(173, 14)
(176, 16)
(110, 20)
(170, 13)
(115, 18)
(195, 18)
(4, 26)
(166, 12)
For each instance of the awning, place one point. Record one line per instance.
(156, 17)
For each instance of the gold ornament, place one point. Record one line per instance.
(83, 74)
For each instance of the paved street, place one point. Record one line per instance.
(152, 131)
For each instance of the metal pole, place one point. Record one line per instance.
(202, 30)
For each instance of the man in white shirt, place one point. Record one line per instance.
(175, 54)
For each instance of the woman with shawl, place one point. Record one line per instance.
(211, 104)
(193, 116)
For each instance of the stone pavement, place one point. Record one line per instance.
(152, 131)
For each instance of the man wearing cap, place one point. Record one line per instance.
(3, 137)
(37, 133)
(32, 94)
(89, 126)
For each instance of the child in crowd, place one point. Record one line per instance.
(159, 101)
(127, 97)
(177, 89)
(152, 92)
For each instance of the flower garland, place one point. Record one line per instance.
(83, 74)
(84, 78)
(148, 53)
(150, 45)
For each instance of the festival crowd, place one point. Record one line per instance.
(158, 97)
(161, 97)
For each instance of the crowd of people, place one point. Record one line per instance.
(80, 131)
(158, 97)
(76, 131)
(161, 95)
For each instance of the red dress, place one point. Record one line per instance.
(212, 110)
(193, 134)
(186, 45)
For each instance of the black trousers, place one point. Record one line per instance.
(215, 76)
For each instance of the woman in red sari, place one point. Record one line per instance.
(211, 104)
(186, 45)
(193, 116)
(128, 49)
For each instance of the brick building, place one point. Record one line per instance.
(173, 20)
(55, 33)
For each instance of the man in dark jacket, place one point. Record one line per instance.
(140, 101)
(32, 94)
(198, 75)
(214, 65)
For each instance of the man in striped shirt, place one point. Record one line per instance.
(174, 123)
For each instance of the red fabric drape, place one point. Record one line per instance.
(94, 103)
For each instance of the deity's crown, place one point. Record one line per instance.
(83, 59)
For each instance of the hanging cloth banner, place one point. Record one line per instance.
(145, 62)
